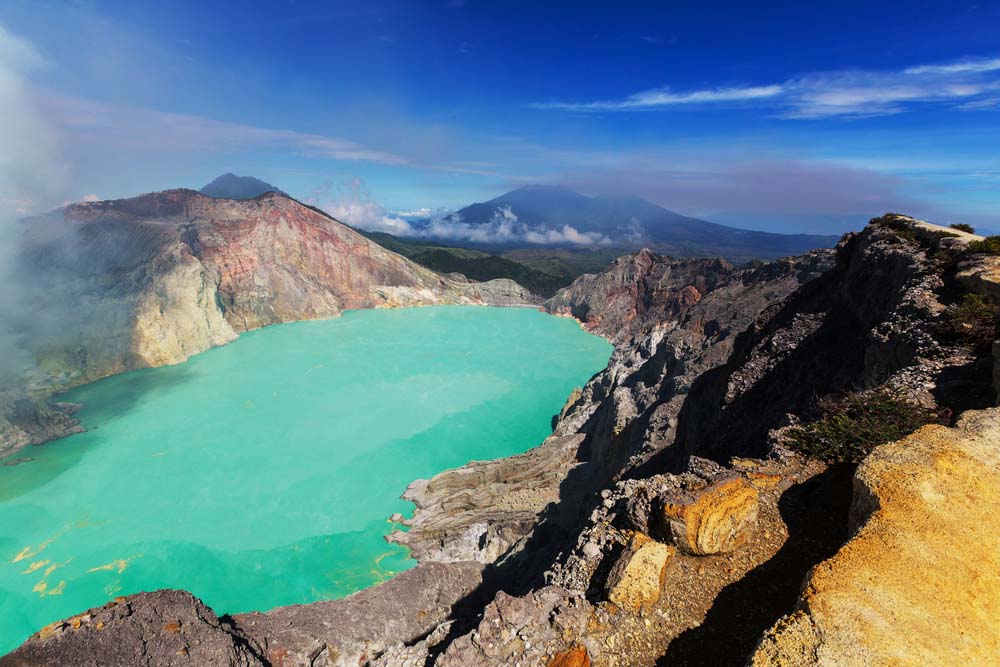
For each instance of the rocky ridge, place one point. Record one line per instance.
(668, 520)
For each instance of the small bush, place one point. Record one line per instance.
(974, 320)
(990, 245)
(901, 228)
(853, 424)
(962, 227)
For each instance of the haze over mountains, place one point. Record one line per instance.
(550, 215)
(545, 236)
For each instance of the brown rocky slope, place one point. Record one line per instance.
(116, 285)
(668, 520)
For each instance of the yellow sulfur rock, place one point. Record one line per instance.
(919, 584)
(636, 578)
(713, 520)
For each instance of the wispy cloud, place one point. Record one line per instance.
(651, 99)
(854, 93)
(147, 129)
(982, 65)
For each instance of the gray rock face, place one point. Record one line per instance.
(366, 625)
(174, 628)
(26, 420)
(149, 630)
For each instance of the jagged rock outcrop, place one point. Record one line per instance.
(149, 281)
(919, 583)
(174, 628)
(638, 291)
(627, 413)
(684, 438)
(157, 629)
(27, 420)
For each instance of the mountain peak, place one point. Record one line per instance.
(548, 189)
(231, 186)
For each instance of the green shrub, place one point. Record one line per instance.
(974, 320)
(851, 425)
(990, 245)
(962, 227)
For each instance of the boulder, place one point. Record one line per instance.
(635, 579)
(715, 519)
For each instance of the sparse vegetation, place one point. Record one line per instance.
(990, 245)
(974, 320)
(851, 425)
(903, 230)
(962, 227)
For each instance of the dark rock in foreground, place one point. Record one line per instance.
(151, 629)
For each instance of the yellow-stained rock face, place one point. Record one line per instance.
(636, 578)
(178, 316)
(919, 584)
(714, 520)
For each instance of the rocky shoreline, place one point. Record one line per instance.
(670, 518)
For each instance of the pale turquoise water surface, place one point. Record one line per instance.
(261, 473)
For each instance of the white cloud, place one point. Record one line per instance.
(982, 65)
(91, 197)
(981, 105)
(416, 213)
(505, 228)
(351, 202)
(843, 93)
(665, 97)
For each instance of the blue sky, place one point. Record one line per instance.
(781, 116)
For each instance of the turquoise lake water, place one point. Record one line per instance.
(262, 473)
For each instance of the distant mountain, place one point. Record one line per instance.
(231, 186)
(628, 222)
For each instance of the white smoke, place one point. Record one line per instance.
(31, 173)
(31, 178)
